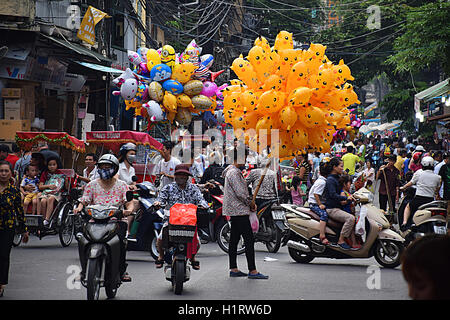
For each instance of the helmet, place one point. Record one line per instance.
(109, 159)
(416, 156)
(127, 147)
(427, 161)
(420, 148)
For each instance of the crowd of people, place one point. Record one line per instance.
(324, 181)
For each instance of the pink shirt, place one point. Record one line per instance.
(95, 194)
(297, 199)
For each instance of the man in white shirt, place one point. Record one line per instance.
(165, 168)
(90, 172)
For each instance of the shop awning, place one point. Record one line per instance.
(365, 129)
(100, 67)
(434, 91)
(78, 48)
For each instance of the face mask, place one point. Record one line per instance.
(106, 174)
(131, 159)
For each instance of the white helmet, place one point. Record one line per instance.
(420, 148)
(427, 161)
(109, 159)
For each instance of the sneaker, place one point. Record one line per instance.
(257, 276)
(344, 246)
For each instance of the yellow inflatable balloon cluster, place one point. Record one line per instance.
(299, 92)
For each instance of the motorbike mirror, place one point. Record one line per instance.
(129, 195)
(134, 178)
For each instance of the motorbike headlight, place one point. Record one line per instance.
(100, 214)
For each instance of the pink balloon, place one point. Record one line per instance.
(209, 89)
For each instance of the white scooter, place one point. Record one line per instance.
(380, 241)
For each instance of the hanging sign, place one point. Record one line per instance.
(87, 27)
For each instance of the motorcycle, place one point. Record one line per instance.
(210, 221)
(380, 241)
(147, 223)
(178, 237)
(99, 249)
(272, 228)
(430, 218)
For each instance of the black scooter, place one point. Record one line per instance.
(99, 250)
(147, 223)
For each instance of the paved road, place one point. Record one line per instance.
(40, 271)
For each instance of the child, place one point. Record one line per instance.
(51, 183)
(369, 175)
(297, 192)
(346, 183)
(315, 200)
(347, 205)
(31, 177)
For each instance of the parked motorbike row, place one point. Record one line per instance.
(279, 225)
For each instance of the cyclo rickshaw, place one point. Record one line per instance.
(147, 222)
(62, 222)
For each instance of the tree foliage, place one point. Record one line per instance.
(426, 40)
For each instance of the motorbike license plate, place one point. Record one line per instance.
(278, 215)
(440, 230)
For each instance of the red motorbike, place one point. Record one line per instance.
(210, 221)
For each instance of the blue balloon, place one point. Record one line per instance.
(160, 72)
(173, 86)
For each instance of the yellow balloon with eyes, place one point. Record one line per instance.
(298, 76)
(341, 73)
(184, 101)
(288, 58)
(300, 97)
(168, 55)
(288, 117)
(283, 146)
(283, 41)
(153, 58)
(263, 43)
(273, 82)
(271, 101)
(261, 62)
(170, 102)
(244, 70)
(249, 100)
(323, 81)
(233, 101)
(299, 137)
(182, 72)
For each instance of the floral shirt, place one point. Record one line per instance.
(172, 194)
(11, 209)
(95, 194)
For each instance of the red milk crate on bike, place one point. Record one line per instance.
(182, 222)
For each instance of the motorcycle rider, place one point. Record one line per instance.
(180, 191)
(333, 202)
(427, 187)
(108, 190)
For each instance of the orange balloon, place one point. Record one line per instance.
(288, 117)
(341, 73)
(273, 82)
(283, 41)
(261, 62)
(249, 100)
(298, 76)
(245, 71)
(300, 96)
(299, 137)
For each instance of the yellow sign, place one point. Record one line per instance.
(87, 27)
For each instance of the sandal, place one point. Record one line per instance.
(324, 241)
(159, 263)
(195, 265)
(126, 277)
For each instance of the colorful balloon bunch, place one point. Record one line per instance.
(299, 92)
(165, 85)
